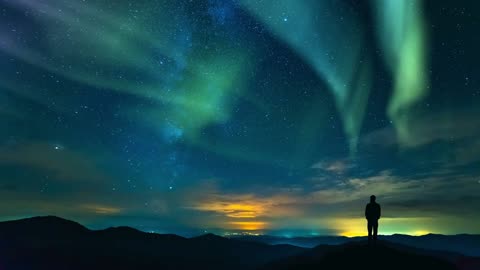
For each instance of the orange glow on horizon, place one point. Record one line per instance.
(234, 210)
(249, 225)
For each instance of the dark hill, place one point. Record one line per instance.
(40, 232)
(359, 256)
(55, 243)
(42, 225)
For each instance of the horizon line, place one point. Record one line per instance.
(228, 233)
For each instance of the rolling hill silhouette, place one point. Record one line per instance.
(55, 243)
(466, 244)
(359, 256)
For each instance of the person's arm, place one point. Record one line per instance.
(366, 211)
(379, 211)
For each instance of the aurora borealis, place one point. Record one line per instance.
(278, 117)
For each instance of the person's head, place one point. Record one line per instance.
(372, 198)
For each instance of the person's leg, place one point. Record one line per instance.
(369, 228)
(375, 231)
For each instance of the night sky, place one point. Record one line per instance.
(273, 116)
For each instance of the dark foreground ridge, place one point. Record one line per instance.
(360, 256)
(55, 243)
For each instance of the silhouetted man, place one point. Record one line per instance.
(372, 214)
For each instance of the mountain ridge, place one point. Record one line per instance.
(70, 245)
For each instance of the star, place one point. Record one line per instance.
(58, 147)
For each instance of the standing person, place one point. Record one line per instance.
(372, 214)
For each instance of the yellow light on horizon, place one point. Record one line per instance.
(420, 233)
(354, 227)
(352, 234)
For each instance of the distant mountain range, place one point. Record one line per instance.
(55, 243)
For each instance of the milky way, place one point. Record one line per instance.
(280, 117)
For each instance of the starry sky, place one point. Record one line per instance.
(268, 116)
